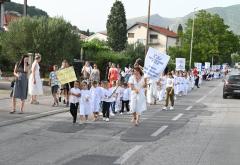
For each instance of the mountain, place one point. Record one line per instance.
(32, 10)
(230, 14)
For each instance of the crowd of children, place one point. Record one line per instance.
(92, 98)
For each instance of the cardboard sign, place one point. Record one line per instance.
(180, 64)
(66, 75)
(155, 63)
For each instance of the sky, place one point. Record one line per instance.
(92, 14)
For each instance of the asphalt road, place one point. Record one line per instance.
(202, 130)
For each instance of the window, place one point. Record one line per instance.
(130, 35)
(153, 36)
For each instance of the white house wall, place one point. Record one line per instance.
(139, 34)
(98, 36)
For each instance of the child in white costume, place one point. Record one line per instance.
(186, 84)
(151, 91)
(162, 91)
(85, 102)
(96, 94)
(119, 95)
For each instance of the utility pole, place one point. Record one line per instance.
(148, 22)
(2, 13)
(190, 60)
(25, 8)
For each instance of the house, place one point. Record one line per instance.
(10, 16)
(82, 36)
(102, 36)
(159, 38)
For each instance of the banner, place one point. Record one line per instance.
(180, 64)
(207, 65)
(198, 66)
(155, 63)
(66, 75)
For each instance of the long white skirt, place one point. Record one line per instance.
(152, 92)
(85, 108)
(138, 102)
(35, 89)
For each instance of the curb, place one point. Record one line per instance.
(33, 117)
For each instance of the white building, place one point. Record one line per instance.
(102, 36)
(159, 38)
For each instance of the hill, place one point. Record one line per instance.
(230, 15)
(32, 10)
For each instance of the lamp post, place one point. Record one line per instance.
(148, 22)
(25, 8)
(190, 60)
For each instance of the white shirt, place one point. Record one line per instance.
(106, 93)
(126, 94)
(74, 99)
(170, 82)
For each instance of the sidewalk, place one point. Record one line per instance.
(30, 111)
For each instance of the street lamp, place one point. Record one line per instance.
(25, 8)
(148, 22)
(190, 60)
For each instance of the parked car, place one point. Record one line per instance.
(231, 86)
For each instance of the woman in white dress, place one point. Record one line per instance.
(138, 102)
(35, 87)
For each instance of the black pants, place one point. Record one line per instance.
(197, 81)
(73, 111)
(106, 107)
(125, 103)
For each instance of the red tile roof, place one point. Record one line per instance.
(158, 29)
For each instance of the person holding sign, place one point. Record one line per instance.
(169, 91)
(65, 87)
(138, 102)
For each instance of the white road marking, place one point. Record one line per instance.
(159, 131)
(188, 108)
(201, 99)
(127, 155)
(212, 90)
(177, 117)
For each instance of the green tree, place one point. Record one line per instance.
(52, 37)
(211, 39)
(117, 27)
(180, 34)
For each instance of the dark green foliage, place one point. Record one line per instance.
(51, 37)
(32, 10)
(211, 39)
(117, 27)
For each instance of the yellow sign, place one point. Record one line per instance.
(66, 75)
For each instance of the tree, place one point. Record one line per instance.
(180, 34)
(52, 37)
(117, 27)
(211, 39)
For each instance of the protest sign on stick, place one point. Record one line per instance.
(180, 64)
(155, 63)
